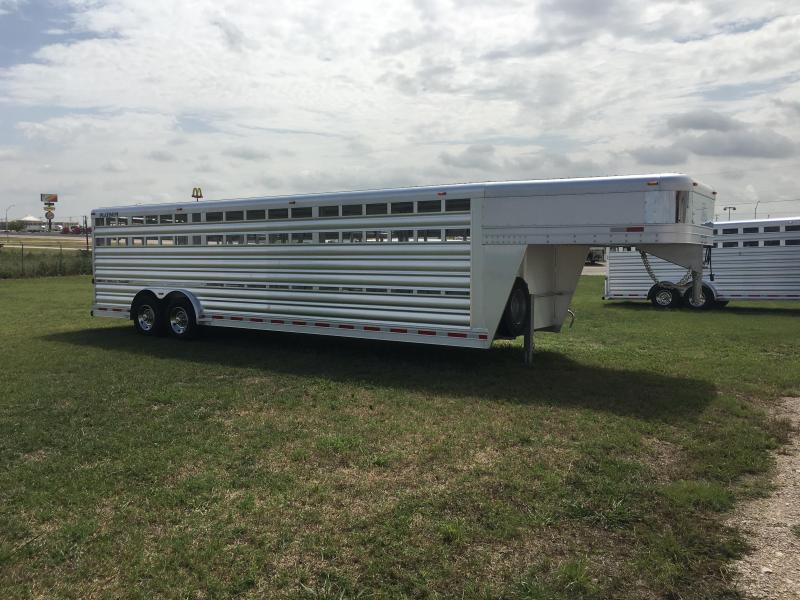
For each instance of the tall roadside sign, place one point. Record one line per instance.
(49, 205)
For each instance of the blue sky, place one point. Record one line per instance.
(117, 101)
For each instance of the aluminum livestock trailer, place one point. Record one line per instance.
(747, 260)
(456, 265)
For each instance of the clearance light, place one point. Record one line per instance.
(652, 183)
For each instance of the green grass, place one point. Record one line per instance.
(259, 465)
(16, 263)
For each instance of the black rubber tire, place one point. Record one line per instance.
(147, 315)
(515, 315)
(664, 297)
(180, 320)
(708, 299)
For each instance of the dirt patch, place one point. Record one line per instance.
(772, 569)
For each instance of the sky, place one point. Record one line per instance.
(113, 102)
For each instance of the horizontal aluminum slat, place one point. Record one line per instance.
(183, 278)
(117, 292)
(334, 251)
(289, 264)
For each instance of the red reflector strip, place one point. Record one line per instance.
(298, 322)
(483, 336)
(634, 229)
(455, 334)
(425, 332)
(322, 324)
(345, 326)
(278, 321)
(398, 330)
(371, 328)
(256, 320)
(236, 319)
(217, 317)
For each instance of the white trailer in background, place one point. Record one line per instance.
(457, 265)
(755, 259)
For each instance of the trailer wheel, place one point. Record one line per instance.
(707, 301)
(516, 313)
(147, 315)
(181, 320)
(664, 297)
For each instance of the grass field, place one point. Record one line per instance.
(16, 262)
(263, 465)
(43, 239)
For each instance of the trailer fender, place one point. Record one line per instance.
(198, 309)
(165, 294)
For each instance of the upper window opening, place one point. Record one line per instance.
(329, 211)
(376, 209)
(256, 215)
(456, 204)
(278, 213)
(792, 228)
(772, 229)
(234, 215)
(181, 218)
(429, 206)
(750, 230)
(401, 208)
(730, 230)
(213, 217)
(151, 219)
(352, 210)
(302, 212)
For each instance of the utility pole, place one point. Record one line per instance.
(7, 227)
(729, 209)
(755, 212)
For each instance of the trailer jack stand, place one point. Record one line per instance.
(697, 287)
(528, 341)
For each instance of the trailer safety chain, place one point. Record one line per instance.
(649, 268)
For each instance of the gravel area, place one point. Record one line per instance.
(772, 569)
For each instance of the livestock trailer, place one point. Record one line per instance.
(456, 265)
(755, 259)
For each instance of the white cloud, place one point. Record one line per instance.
(291, 96)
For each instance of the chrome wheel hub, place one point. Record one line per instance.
(179, 320)
(664, 298)
(146, 317)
